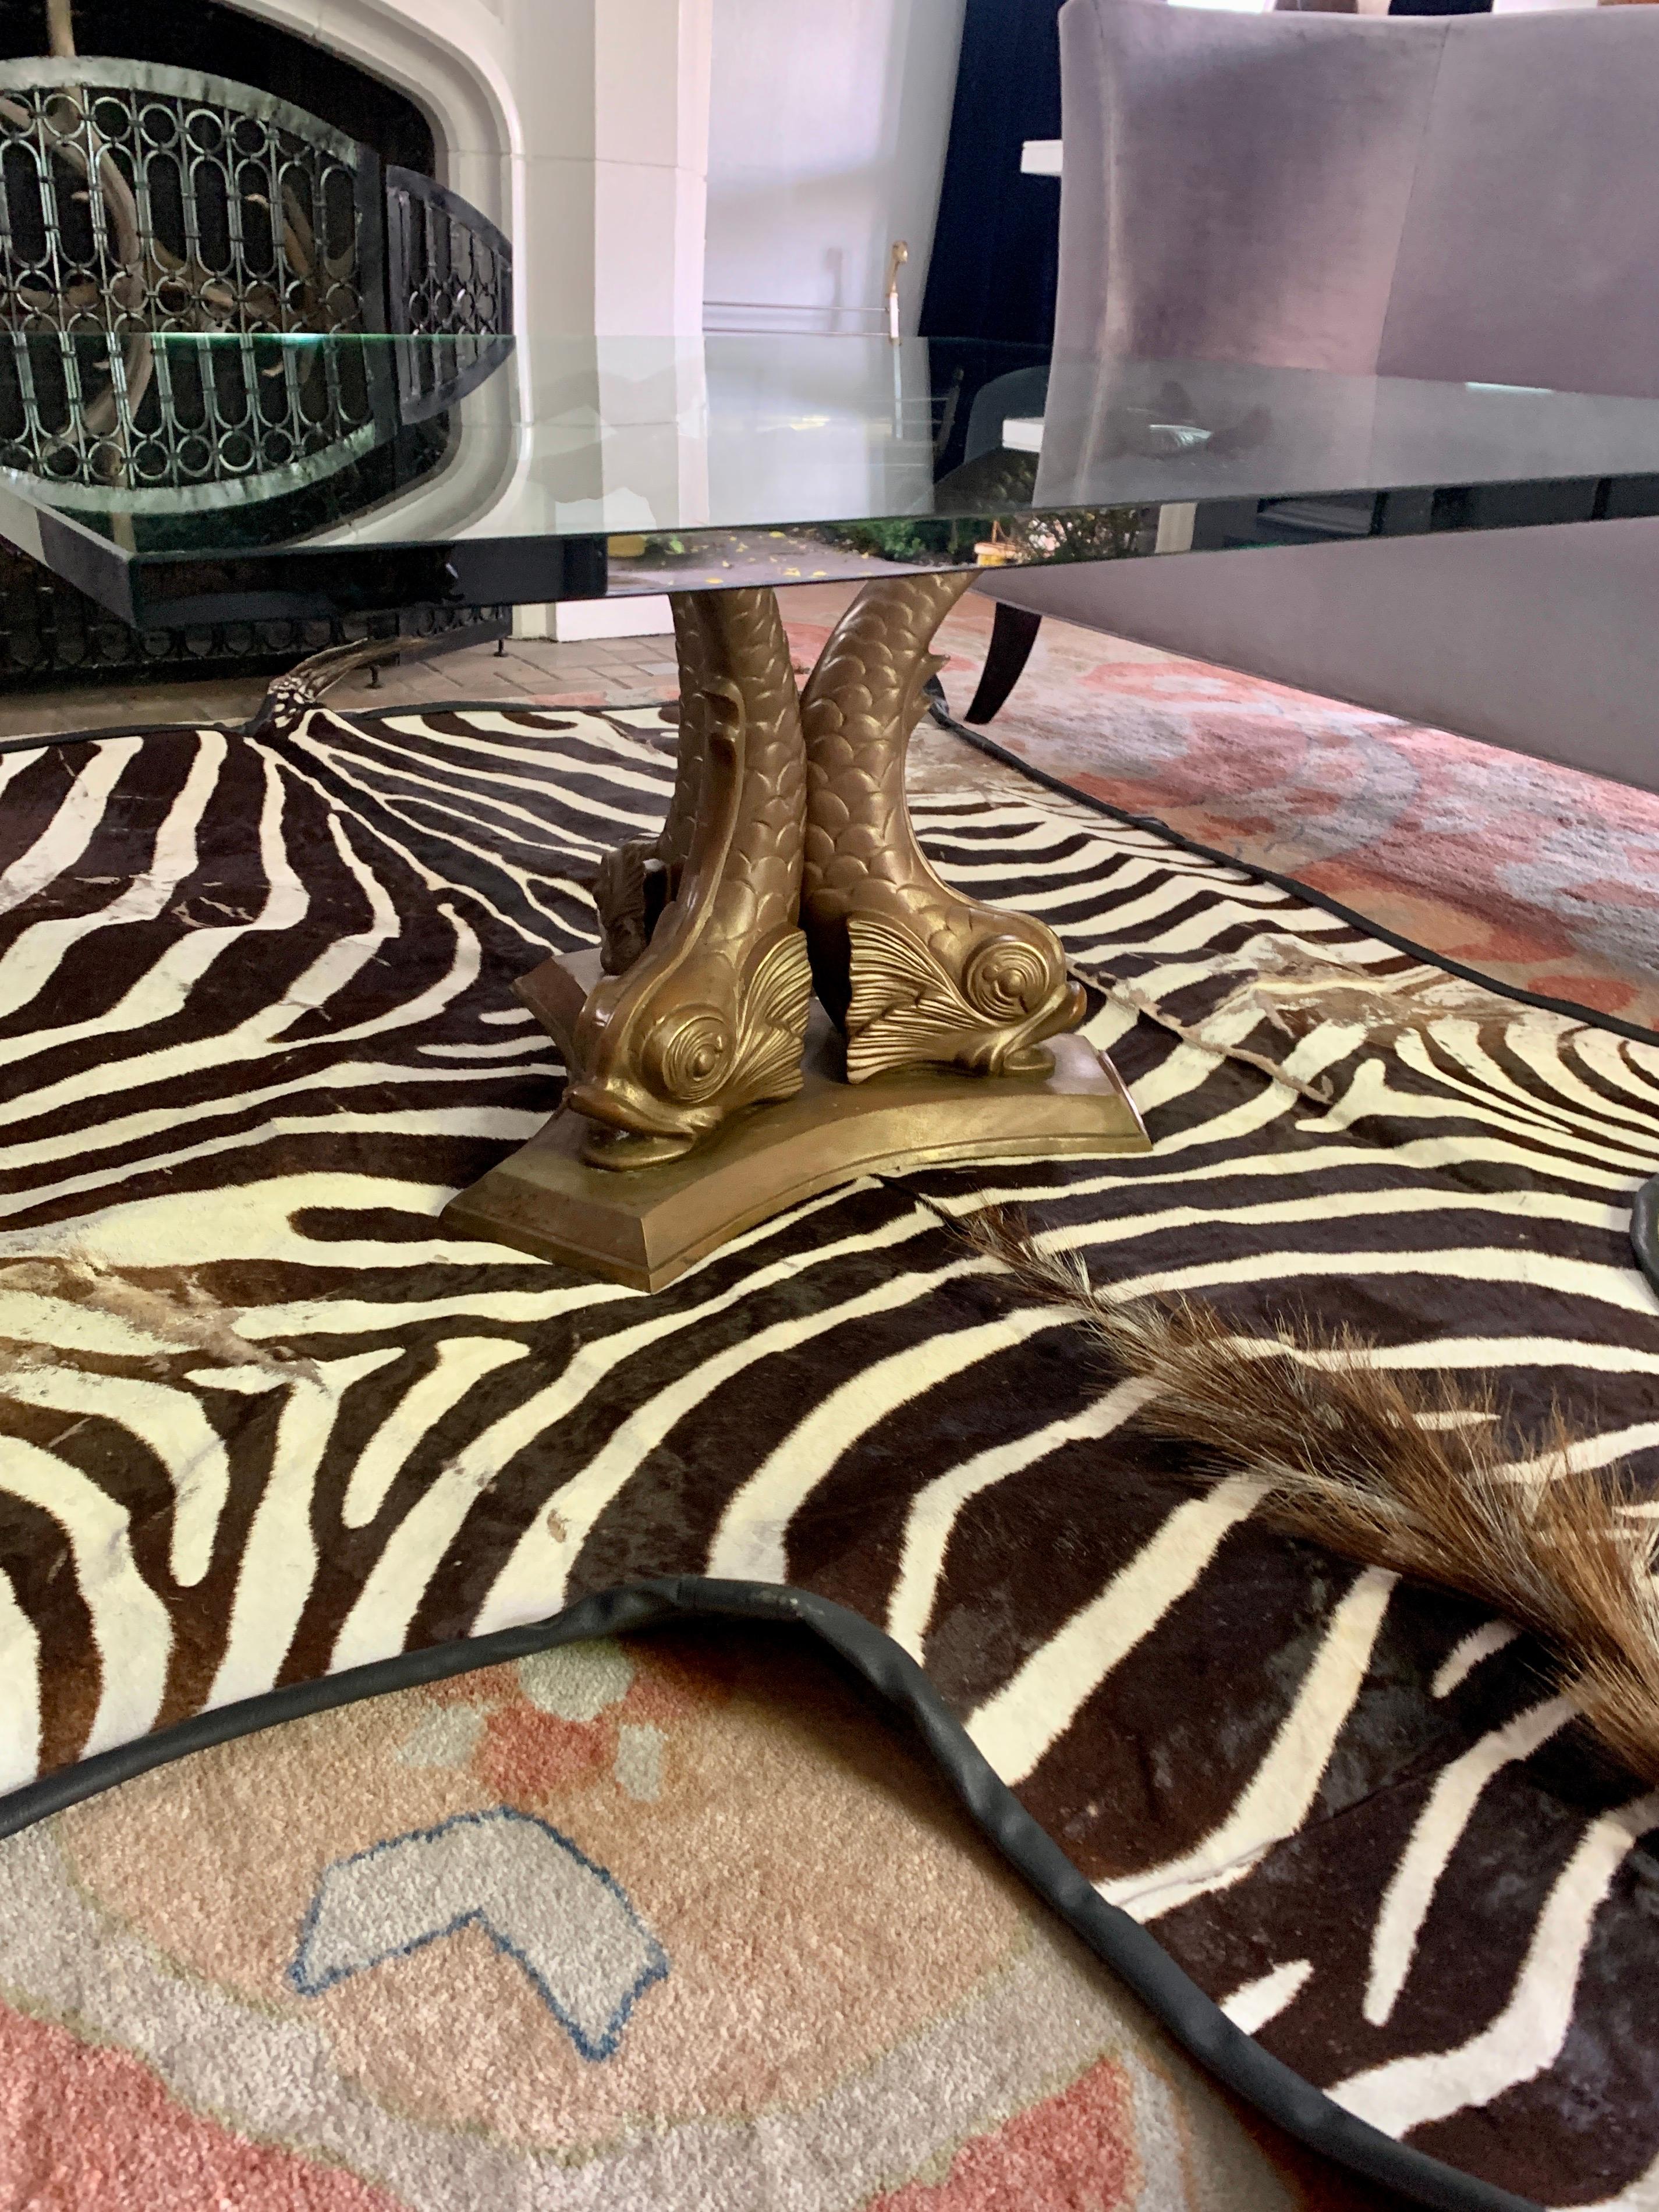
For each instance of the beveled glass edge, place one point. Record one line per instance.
(1050, 537)
(830, 552)
(297, 581)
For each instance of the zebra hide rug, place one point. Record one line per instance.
(272, 1441)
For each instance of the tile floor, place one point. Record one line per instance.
(623, 671)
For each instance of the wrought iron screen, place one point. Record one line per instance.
(449, 278)
(140, 202)
(50, 632)
(137, 199)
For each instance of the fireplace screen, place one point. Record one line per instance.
(136, 199)
(449, 282)
(140, 201)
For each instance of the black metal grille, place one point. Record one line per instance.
(137, 199)
(50, 633)
(449, 284)
(160, 230)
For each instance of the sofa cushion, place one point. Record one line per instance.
(1463, 198)
(1530, 253)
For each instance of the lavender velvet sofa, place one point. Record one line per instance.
(1465, 198)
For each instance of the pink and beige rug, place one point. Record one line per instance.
(666, 1924)
(1535, 874)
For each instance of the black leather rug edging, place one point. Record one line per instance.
(1193, 2019)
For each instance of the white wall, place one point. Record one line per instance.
(827, 126)
(611, 99)
(580, 127)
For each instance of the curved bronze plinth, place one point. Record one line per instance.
(696, 1107)
(648, 1226)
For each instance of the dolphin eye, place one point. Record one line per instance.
(1006, 978)
(687, 1054)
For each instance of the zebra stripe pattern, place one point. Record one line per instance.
(263, 1421)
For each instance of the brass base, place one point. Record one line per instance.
(788, 865)
(646, 1225)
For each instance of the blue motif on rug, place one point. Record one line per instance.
(567, 1923)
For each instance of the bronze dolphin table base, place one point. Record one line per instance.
(707, 1091)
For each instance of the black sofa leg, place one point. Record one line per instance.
(1013, 633)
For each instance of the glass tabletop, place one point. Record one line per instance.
(203, 475)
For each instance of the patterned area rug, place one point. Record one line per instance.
(1531, 873)
(659, 1924)
(265, 1425)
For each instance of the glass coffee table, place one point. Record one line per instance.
(785, 994)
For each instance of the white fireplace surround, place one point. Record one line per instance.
(581, 128)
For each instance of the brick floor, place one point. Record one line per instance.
(628, 671)
(624, 671)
